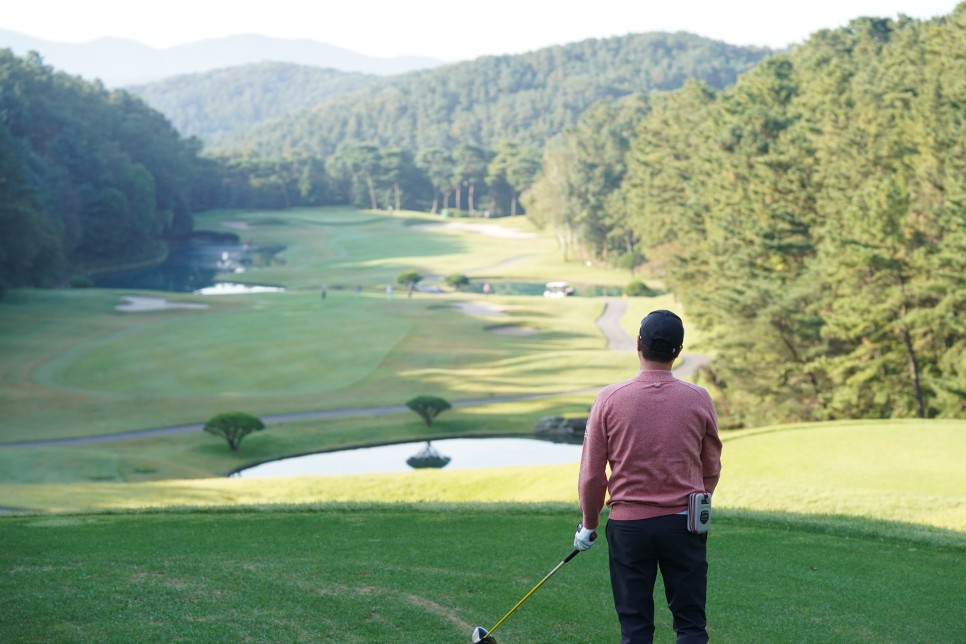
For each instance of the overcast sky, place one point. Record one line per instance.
(449, 30)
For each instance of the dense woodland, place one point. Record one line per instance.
(811, 216)
(88, 178)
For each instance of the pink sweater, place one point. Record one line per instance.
(660, 437)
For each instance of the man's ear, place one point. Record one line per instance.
(639, 344)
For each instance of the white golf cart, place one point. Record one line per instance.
(556, 290)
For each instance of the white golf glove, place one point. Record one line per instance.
(585, 538)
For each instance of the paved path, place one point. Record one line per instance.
(609, 324)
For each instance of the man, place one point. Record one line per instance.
(660, 437)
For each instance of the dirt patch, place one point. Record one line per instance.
(137, 304)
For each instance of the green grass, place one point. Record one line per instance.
(905, 471)
(429, 573)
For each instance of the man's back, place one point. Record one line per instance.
(659, 436)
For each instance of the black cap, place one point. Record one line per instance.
(662, 332)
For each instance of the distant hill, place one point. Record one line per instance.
(117, 62)
(212, 103)
(525, 97)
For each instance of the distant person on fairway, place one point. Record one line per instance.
(660, 437)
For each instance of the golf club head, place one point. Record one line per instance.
(481, 636)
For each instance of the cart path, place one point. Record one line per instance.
(608, 323)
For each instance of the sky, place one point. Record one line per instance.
(445, 29)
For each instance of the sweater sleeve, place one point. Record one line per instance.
(592, 481)
(711, 451)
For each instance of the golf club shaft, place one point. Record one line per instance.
(572, 554)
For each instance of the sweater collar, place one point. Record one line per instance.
(655, 376)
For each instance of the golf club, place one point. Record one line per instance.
(482, 636)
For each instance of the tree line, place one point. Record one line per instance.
(811, 219)
(468, 179)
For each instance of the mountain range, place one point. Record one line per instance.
(117, 62)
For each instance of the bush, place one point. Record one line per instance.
(638, 288)
(456, 281)
(428, 407)
(233, 426)
(408, 278)
(81, 281)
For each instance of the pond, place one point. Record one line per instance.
(194, 264)
(464, 453)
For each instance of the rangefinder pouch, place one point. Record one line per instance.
(699, 512)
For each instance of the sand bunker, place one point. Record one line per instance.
(512, 330)
(137, 304)
(484, 229)
(237, 225)
(481, 308)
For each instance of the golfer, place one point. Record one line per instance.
(660, 437)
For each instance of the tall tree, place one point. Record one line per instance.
(469, 169)
(358, 164)
(437, 164)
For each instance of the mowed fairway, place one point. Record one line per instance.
(72, 364)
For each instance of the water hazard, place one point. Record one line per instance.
(464, 453)
(196, 264)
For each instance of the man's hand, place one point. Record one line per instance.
(585, 538)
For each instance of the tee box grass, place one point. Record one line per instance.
(430, 573)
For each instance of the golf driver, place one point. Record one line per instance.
(482, 636)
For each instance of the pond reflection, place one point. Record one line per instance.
(192, 264)
(464, 453)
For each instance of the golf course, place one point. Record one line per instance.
(120, 522)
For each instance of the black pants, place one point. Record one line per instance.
(637, 549)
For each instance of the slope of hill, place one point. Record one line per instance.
(117, 61)
(212, 103)
(527, 97)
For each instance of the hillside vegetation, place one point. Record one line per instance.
(811, 217)
(526, 98)
(210, 104)
(90, 178)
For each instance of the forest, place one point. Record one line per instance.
(88, 178)
(808, 208)
(811, 219)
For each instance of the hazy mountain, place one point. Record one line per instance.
(527, 98)
(118, 62)
(212, 103)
